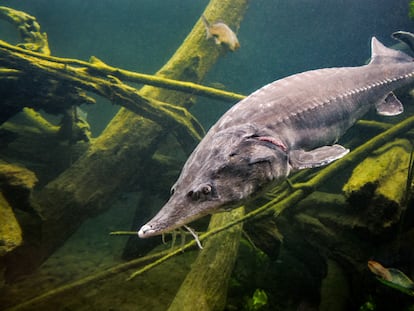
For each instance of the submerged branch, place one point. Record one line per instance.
(183, 86)
(29, 30)
(53, 76)
(113, 89)
(98, 67)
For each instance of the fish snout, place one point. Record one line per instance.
(146, 231)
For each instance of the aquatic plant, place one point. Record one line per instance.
(369, 305)
(411, 10)
(257, 301)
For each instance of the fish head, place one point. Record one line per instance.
(224, 171)
(223, 35)
(379, 270)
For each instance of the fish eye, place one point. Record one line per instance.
(206, 189)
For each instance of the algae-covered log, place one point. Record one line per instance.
(334, 291)
(378, 184)
(16, 184)
(119, 156)
(29, 30)
(10, 231)
(38, 91)
(205, 287)
(43, 147)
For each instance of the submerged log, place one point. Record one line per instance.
(205, 287)
(16, 184)
(378, 185)
(29, 30)
(118, 157)
(39, 92)
(10, 231)
(334, 289)
(43, 147)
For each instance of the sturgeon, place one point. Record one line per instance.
(285, 126)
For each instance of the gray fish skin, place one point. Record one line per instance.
(285, 126)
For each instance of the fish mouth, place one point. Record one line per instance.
(165, 222)
(146, 231)
(162, 224)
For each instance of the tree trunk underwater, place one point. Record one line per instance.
(205, 286)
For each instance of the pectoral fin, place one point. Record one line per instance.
(390, 106)
(300, 159)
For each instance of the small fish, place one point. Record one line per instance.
(391, 277)
(379, 270)
(222, 34)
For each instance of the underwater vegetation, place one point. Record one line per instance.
(257, 301)
(411, 10)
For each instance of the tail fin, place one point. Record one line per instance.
(381, 54)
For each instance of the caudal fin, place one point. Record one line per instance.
(381, 54)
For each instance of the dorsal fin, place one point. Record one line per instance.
(381, 54)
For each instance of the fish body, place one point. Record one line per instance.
(392, 277)
(379, 270)
(221, 33)
(285, 126)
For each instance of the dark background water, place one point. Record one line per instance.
(278, 38)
